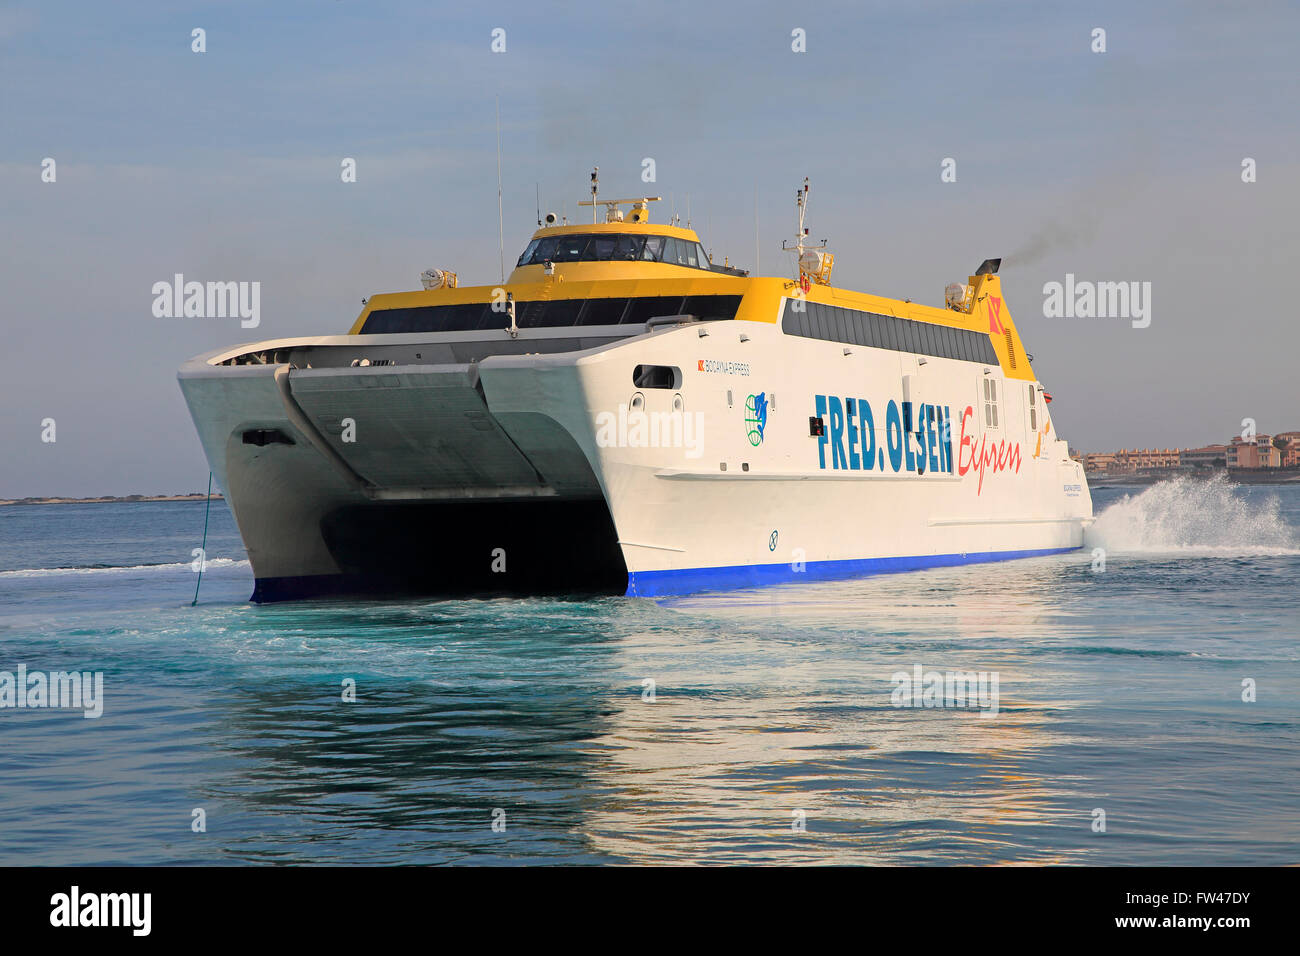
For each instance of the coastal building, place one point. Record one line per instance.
(1135, 459)
(1257, 452)
(1094, 461)
(1289, 447)
(1261, 451)
(1208, 456)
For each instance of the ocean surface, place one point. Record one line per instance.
(769, 735)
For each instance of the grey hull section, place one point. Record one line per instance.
(401, 479)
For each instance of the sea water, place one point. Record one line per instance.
(1147, 709)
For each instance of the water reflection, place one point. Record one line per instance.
(764, 704)
(459, 712)
(785, 706)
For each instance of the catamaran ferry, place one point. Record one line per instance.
(622, 415)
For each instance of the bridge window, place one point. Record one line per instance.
(616, 247)
(675, 251)
(602, 248)
(628, 248)
(572, 248)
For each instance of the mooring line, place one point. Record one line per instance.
(203, 551)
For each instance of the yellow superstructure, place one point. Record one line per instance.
(983, 310)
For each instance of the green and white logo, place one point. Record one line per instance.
(756, 417)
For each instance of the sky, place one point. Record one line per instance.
(1123, 165)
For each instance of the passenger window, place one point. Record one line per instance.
(657, 376)
(990, 402)
(1033, 410)
(891, 333)
(877, 339)
(603, 311)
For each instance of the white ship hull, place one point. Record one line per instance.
(466, 470)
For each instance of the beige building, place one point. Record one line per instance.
(1134, 459)
(1097, 460)
(1257, 452)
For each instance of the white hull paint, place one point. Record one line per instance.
(726, 511)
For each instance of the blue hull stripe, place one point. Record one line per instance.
(689, 580)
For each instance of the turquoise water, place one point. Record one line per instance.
(1120, 690)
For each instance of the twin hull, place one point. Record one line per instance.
(553, 471)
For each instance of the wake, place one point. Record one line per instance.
(1194, 516)
(208, 565)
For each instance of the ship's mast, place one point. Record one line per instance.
(812, 262)
(640, 205)
(801, 207)
(501, 220)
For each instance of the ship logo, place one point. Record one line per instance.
(995, 316)
(756, 417)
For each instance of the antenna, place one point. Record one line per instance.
(537, 191)
(812, 263)
(501, 222)
(801, 203)
(757, 245)
(595, 185)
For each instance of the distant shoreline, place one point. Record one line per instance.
(1237, 476)
(104, 499)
